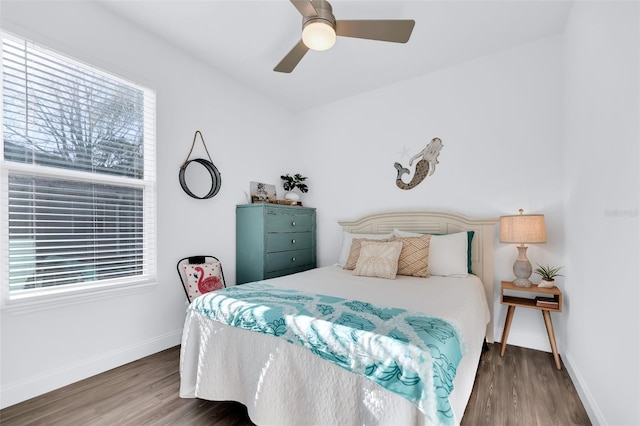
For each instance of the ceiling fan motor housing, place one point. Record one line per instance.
(319, 30)
(324, 14)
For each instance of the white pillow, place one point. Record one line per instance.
(448, 255)
(347, 237)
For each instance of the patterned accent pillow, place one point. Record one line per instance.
(203, 278)
(378, 259)
(354, 254)
(414, 257)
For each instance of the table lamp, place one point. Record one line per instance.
(522, 229)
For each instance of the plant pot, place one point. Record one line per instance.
(547, 284)
(293, 196)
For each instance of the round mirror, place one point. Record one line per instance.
(199, 178)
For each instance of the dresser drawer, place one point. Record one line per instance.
(278, 261)
(289, 241)
(289, 222)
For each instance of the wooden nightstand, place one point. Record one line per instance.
(530, 302)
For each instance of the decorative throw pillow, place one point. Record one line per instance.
(347, 238)
(414, 257)
(378, 259)
(354, 254)
(203, 278)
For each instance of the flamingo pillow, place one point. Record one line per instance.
(202, 278)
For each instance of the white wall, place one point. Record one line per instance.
(44, 350)
(500, 120)
(602, 324)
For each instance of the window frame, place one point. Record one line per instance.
(38, 298)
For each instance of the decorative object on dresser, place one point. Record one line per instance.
(292, 182)
(425, 167)
(550, 302)
(548, 274)
(262, 192)
(522, 229)
(216, 179)
(274, 240)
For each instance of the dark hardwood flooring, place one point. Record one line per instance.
(523, 388)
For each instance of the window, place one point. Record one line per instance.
(78, 175)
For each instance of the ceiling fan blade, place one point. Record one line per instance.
(397, 31)
(305, 7)
(289, 62)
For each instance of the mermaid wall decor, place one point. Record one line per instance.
(425, 167)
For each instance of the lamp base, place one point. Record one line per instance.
(522, 282)
(522, 268)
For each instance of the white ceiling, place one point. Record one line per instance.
(246, 39)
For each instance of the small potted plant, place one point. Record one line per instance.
(292, 182)
(548, 274)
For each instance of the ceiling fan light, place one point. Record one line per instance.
(318, 35)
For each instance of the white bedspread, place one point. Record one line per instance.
(283, 384)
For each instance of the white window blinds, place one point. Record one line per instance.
(78, 173)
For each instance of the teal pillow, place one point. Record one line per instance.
(469, 239)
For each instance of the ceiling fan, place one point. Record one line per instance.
(320, 28)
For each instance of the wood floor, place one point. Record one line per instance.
(523, 388)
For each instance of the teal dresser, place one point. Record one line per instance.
(274, 240)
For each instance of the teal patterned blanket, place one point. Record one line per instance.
(408, 353)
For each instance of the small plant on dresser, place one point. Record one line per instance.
(292, 182)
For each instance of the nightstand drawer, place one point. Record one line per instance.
(288, 259)
(289, 222)
(289, 241)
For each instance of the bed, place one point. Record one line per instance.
(281, 382)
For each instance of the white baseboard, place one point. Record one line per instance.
(590, 406)
(38, 385)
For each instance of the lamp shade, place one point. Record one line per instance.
(523, 229)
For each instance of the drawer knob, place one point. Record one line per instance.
(293, 224)
(293, 241)
(293, 259)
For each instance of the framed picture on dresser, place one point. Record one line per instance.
(262, 192)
